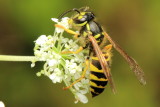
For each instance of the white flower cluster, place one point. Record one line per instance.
(59, 66)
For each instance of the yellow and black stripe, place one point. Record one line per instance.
(98, 80)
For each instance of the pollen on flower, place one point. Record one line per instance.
(60, 66)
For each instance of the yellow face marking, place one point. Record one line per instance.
(80, 17)
(83, 13)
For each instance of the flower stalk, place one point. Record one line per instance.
(17, 58)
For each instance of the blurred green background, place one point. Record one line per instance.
(134, 24)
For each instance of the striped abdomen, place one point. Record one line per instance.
(98, 80)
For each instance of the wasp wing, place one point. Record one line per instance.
(104, 65)
(132, 63)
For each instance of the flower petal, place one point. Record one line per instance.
(82, 98)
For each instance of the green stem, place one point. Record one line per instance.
(17, 58)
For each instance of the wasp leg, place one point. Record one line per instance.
(107, 54)
(68, 30)
(107, 48)
(82, 76)
(73, 52)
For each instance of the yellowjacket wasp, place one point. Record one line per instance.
(92, 36)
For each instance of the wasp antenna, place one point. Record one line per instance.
(64, 13)
(84, 8)
(74, 9)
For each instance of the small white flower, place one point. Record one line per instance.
(33, 64)
(41, 40)
(82, 98)
(52, 62)
(56, 76)
(77, 76)
(65, 40)
(85, 81)
(2, 104)
(84, 91)
(78, 85)
(64, 23)
(54, 19)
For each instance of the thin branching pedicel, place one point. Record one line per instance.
(59, 66)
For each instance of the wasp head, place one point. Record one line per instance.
(83, 17)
